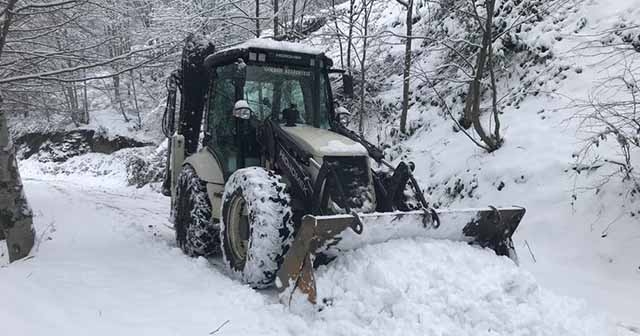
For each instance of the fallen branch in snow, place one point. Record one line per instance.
(50, 228)
(605, 232)
(629, 327)
(219, 327)
(530, 252)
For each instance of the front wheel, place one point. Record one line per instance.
(257, 227)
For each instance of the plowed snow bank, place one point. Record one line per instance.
(426, 287)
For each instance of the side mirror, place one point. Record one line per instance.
(343, 115)
(242, 110)
(347, 85)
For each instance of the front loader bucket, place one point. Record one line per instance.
(486, 227)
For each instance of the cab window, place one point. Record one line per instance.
(221, 125)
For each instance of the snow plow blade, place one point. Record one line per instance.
(486, 227)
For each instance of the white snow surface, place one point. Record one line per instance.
(105, 263)
(426, 287)
(270, 44)
(337, 146)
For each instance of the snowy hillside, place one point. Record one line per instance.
(578, 237)
(104, 115)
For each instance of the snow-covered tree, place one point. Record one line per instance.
(16, 223)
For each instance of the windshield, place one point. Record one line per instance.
(283, 94)
(287, 93)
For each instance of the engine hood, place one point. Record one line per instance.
(320, 142)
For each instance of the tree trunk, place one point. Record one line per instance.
(257, 18)
(494, 97)
(350, 35)
(304, 9)
(116, 92)
(293, 15)
(135, 99)
(71, 96)
(276, 22)
(6, 23)
(407, 68)
(472, 105)
(335, 20)
(16, 219)
(85, 104)
(367, 13)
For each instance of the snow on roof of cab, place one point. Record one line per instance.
(263, 43)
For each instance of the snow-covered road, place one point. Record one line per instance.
(105, 264)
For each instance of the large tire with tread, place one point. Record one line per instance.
(256, 228)
(196, 234)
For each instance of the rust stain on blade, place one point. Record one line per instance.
(306, 282)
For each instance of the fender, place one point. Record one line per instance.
(207, 166)
(209, 170)
(176, 160)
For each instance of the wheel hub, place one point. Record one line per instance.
(239, 228)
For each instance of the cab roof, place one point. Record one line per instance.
(273, 51)
(269, 44)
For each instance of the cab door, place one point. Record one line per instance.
(232, 140)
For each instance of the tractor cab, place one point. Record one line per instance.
(260, 81)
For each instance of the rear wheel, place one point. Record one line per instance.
(196, 234)
(257, 227)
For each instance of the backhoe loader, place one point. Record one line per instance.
(263, 170)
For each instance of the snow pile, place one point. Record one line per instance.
(86, 165)
(425, 287)
(133, 166)
(147, 166)
(73, 144)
